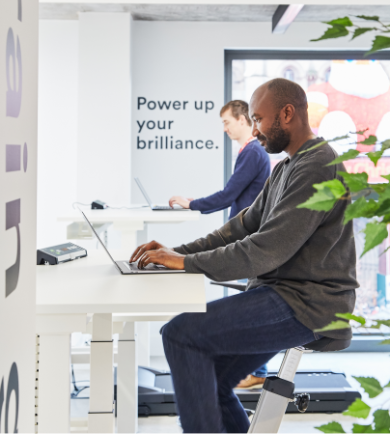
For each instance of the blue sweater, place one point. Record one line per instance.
(251, 170)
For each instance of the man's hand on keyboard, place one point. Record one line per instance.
(140, 250)
(180, 200)
(163, 256)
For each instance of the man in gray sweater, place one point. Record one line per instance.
(300, 264)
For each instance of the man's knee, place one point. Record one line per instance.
(178, 329)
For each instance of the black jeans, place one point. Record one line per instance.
(209, 353)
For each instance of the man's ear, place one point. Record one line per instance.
(288, 113)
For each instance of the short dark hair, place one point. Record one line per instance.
(238, 108)
(287, 92)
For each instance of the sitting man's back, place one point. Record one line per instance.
(300, 264)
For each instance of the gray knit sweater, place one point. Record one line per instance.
(307, 257)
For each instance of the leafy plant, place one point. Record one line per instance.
(329, 192)
(341, 27)
(360, 409)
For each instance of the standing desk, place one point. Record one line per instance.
(67, 295)
(131, 223)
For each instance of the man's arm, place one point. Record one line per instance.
(270, 246)
(247, 168)
(235, 229)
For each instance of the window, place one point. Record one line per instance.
(346, 92)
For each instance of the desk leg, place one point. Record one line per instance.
(101, 417)
(127, 381)
(143, 343)
(54, 383)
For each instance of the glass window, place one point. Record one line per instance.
(344, 96)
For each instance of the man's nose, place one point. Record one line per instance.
(225, 129)
(255, 131)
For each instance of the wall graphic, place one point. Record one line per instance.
(18, 132)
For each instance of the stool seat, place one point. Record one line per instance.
(328, 344)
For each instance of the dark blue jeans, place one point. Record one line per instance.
(209, 353)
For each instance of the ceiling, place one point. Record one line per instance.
(207, 12)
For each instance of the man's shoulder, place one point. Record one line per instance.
(254, 148)
(318, 160)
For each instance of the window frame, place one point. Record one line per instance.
(360, 342)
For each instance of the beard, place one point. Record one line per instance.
(277, 139)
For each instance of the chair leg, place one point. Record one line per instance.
(276, 395)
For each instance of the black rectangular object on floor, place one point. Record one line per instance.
(329, 392)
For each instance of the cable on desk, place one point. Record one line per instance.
(79, 203)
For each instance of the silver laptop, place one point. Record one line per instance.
(156, 207)
(125, 268)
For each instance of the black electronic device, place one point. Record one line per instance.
(61, 253)
(328, 391)
(98, 204)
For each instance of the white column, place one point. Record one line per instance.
(104, 108)
(127, 381)
(101, 417)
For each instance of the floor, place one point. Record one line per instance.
(352, 364)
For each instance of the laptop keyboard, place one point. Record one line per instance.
(134, 266)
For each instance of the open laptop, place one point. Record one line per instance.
(125, 268)
(156, 207)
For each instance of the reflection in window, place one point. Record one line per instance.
(289, 74)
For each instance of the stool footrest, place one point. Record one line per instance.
(280, 387)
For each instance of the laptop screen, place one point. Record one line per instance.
(143, 191)
(101, 242)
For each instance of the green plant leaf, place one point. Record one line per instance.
(379, 323)
(334, 325)
(314, 147)
(358, 409)
(361, 30)
(375, 156)
(385, 145)
(387, 385)
(326, 196)
(385, 342)
(361, 132)
(357, 428)
(384, 208)
(345, 21)
(331, 427)
(380, 43)
(336, 139)
(382, 421)
(386, 177)
(335, 31)
(355, 181)
(349, 155)
(370, 385)
(371, 140)
(366, 17)
(360, 208)
(375, 232)
(350, 316)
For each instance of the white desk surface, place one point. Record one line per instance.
(94, 285)
(126, 215)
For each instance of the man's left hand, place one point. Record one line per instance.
(164, 256)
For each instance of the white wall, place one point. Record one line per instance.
(104, 108)
(57, 127)
(18, 175)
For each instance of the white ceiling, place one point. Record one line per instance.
(205, 12)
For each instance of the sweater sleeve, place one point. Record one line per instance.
(279, 238)
(249, 164)
(235, 229)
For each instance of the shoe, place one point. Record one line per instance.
(251, 382)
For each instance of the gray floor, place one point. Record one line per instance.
(352, 364)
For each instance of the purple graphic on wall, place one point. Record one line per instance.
(25, 157)
(12, 157)
(14, 79)
(12, 220)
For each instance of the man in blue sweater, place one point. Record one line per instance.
(251, 170)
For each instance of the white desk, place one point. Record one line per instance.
(132, 226)
(129, 222)
(66, 294)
